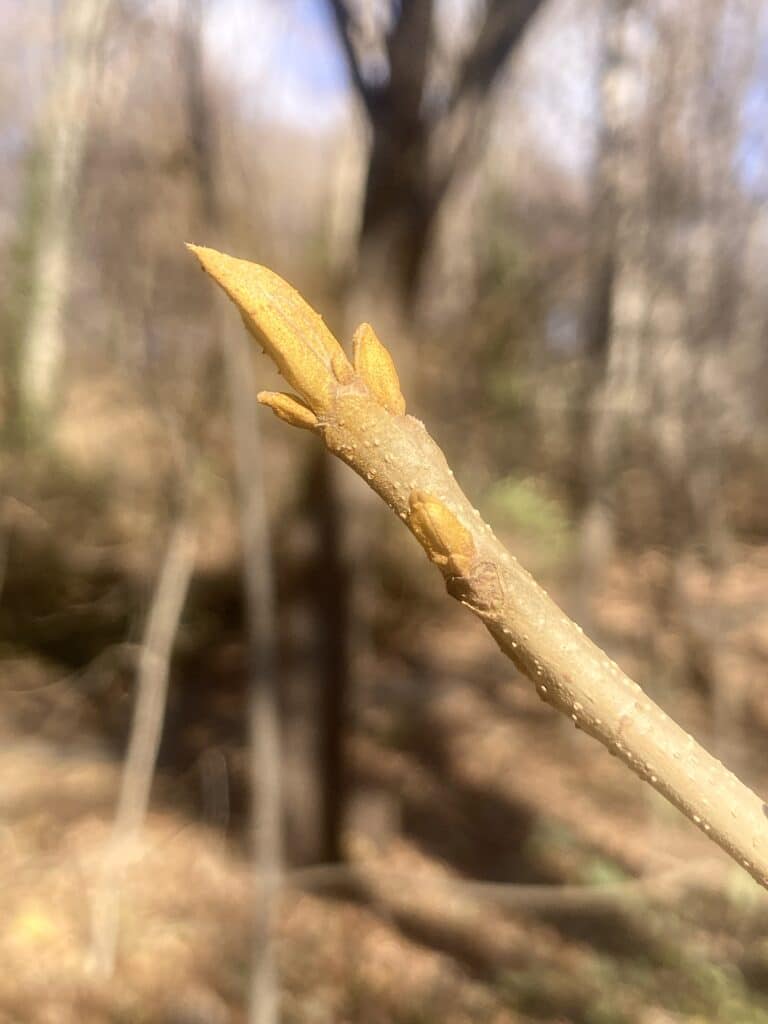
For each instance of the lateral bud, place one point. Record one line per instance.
(447, 543)
(376, 366)
(289, 408)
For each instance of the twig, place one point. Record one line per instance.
(343, 20)
(534, 897)
(359, 413)
(146, 729)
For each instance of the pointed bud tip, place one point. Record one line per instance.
(197, 250)
(375, 365)
(211, 260)
(282, 322)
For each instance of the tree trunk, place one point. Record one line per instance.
(420, 142)
(63, 136)
(616, 300)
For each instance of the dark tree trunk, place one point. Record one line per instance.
(419, 141)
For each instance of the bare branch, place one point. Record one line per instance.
(501, 30)
(408, 49)
(460, 129)
(394, 453)
(344, 26)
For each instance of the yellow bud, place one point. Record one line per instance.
(375, 365)
(447, 543)
(289, 408)
(291, 332)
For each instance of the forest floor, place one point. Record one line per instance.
(502, 867)
(494, 852)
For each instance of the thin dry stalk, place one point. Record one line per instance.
(263, 703)
(358, 411)
(377, 881)
(146, 730)
(263, 682)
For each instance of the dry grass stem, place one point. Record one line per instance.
(146, 730)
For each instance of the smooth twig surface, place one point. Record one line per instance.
(356, 408)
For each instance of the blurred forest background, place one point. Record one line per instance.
(555, 214)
